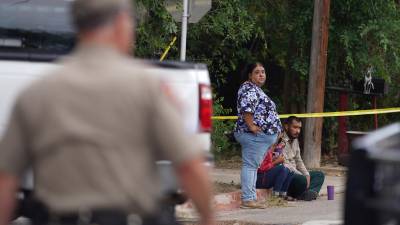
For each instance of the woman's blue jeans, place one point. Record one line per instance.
(278, 178)
(254, 147)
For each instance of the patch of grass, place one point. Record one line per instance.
(233, 163)
(225, 188)
(273, 201)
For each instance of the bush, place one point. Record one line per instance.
(223, 144)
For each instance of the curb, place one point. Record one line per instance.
(221, 202)
(232, 200)
(227, 202)
(232, 222)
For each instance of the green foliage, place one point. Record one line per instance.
(278, 32)
(364, 34)
(221, 137)
(155, 30)
(222, 37)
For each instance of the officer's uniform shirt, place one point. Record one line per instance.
(92, 130)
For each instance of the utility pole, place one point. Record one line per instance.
(316, 83)
(185, 16)
(193, 11)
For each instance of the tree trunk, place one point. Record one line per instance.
(316, 83)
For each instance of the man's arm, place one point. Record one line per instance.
(194, 179)
(308, 178)
(8, 190)
(300, 164)
(13, 161)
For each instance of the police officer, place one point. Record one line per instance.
(92, 130)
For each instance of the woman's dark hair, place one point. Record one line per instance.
(249, 69)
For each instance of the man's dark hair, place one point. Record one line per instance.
(290, 120)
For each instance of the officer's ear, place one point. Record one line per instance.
(123, 31)
(286, 126)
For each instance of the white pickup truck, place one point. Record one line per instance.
(33, 34)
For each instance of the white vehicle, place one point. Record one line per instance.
(33, 34)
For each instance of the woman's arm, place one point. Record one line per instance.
(248, 118)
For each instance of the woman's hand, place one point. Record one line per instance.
(279, 160)
(255, 129)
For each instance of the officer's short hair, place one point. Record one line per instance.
(91, 14)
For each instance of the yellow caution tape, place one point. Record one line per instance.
(167, 49)
(326, 114)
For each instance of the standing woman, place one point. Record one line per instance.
(257, 128)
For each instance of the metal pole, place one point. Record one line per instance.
(376, 115)
(343, 142)
(184, 29)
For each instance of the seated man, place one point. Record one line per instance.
(304, 185)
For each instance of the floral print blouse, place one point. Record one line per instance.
(252, 99)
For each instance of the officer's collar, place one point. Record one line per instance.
(97, 49)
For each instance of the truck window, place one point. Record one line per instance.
(35, 29)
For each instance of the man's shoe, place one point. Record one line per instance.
(252, 205)
(315, 195)
(289, 198)
(308, 196)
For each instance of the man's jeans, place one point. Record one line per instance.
(299, 183)
(254, 147)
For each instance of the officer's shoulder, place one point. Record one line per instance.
(140, 71)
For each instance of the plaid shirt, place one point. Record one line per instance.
(293, 160)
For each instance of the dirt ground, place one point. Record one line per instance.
(236, 162)
(232, 163)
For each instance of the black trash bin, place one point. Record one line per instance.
(373, 182)
(344, 158)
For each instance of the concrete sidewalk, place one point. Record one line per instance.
(298, 212)
(335, 178)
(294, 213)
